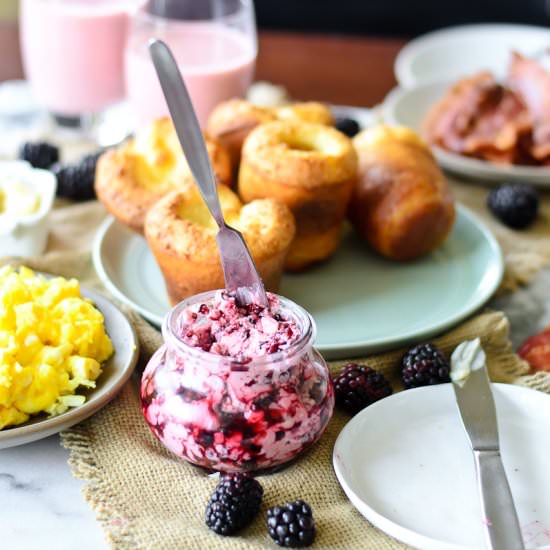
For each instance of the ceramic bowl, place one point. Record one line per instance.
(26, 235)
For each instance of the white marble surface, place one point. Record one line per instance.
(42, 507)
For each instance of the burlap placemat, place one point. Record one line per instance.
(525, 252)
(146, 498)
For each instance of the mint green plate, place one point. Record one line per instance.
(360, 302)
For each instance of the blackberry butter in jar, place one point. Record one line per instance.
(237, 388)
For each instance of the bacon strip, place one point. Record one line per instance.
(501, 122)
(450, 119)
(531, 82)
(479, 117)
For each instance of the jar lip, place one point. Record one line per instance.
(299, 314)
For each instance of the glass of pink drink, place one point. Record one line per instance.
(214, 43)
(73, 54)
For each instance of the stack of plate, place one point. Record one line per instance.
(427, 66)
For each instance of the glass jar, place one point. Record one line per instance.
(226, 415)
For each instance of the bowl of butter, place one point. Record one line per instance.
(26, 199)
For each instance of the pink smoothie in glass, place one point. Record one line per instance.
(73, 52)
(217, 63)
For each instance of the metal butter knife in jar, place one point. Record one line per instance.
(477, 410)
(239, 270)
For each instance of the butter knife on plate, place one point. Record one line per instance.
(477, 410)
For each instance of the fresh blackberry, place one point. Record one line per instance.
(39, 154)
(233, 504)
(424, 365)
(347, 126)
(291, 525)
(358, 386)
(516, 205)
(76, 181)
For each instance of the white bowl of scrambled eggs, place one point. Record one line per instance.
(26, 198)
(64, 353)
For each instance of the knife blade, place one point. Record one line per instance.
(477, 410)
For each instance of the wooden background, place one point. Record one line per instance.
(338, 69)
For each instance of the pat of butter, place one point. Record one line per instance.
(17, 198)
(467, 357)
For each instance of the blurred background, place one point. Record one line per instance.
(401, 18)
(10, 65)
(398, 18)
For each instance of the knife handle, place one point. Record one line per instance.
(500, 520)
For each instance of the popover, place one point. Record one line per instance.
(305, 111)
(182, 235)
(402, 205)
(231, 121)
(312, 169)
(134, 176)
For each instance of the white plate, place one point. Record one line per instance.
(452, 53)
(409, 106)
(406, 465)
(116, 371)
(360, 302)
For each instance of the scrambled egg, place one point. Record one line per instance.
(52, 341)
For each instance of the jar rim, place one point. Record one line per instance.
(299, 315)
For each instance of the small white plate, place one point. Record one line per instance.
(455, 52)
(406, 464)
(409, 106)
(116, 372)
(360, 302)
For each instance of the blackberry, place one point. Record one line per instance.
(424, 365)
(358, 386)
(291, 525)
(39, 154)
(516, 205)
(233, 504)
(347, 126)
(76, 181)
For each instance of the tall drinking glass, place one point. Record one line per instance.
(73, 54)
(213, 41)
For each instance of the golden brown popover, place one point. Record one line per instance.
(305, 111)
(231, 121)
(312, 169)
(402, 204)
(182, 235)
(135, 175)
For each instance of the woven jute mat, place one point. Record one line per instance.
(146, 498)
(525, 252)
